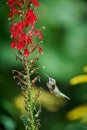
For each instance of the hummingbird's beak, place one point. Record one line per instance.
(46, 75)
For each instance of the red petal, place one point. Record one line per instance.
(41, 36)
(36, 3)
(40, 50)
(11, 13)
(26, 52)
(23, 37)
(20, 45)
(19, 26)
(13, 44)
(29, 40)
(37, 32)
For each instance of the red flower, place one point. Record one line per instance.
(30, 18)
(11, 2)
(23, 37)
(29, 40)
(19, 26)
(13, 11)
(39, 34)
(25, 17)
(14, 2)
(20, 45)
(15, 33)
(26, 52)
(13, 44)
(36, 3)
(16, 29)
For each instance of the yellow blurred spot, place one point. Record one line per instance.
(18, 101)
(85, 69)
(84, 119)
(78, 79)
(46, 99)
(80, 112)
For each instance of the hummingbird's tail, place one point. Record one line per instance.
(63, 96)
(67, 97)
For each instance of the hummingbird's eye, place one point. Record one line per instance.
(51, 80)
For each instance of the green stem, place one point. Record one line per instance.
(30, 99)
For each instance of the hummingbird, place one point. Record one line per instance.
(53, 88)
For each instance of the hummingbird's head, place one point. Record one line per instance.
(52, 81)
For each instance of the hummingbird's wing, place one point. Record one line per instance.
(58, 93)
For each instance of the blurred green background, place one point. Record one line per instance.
(65, 55)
